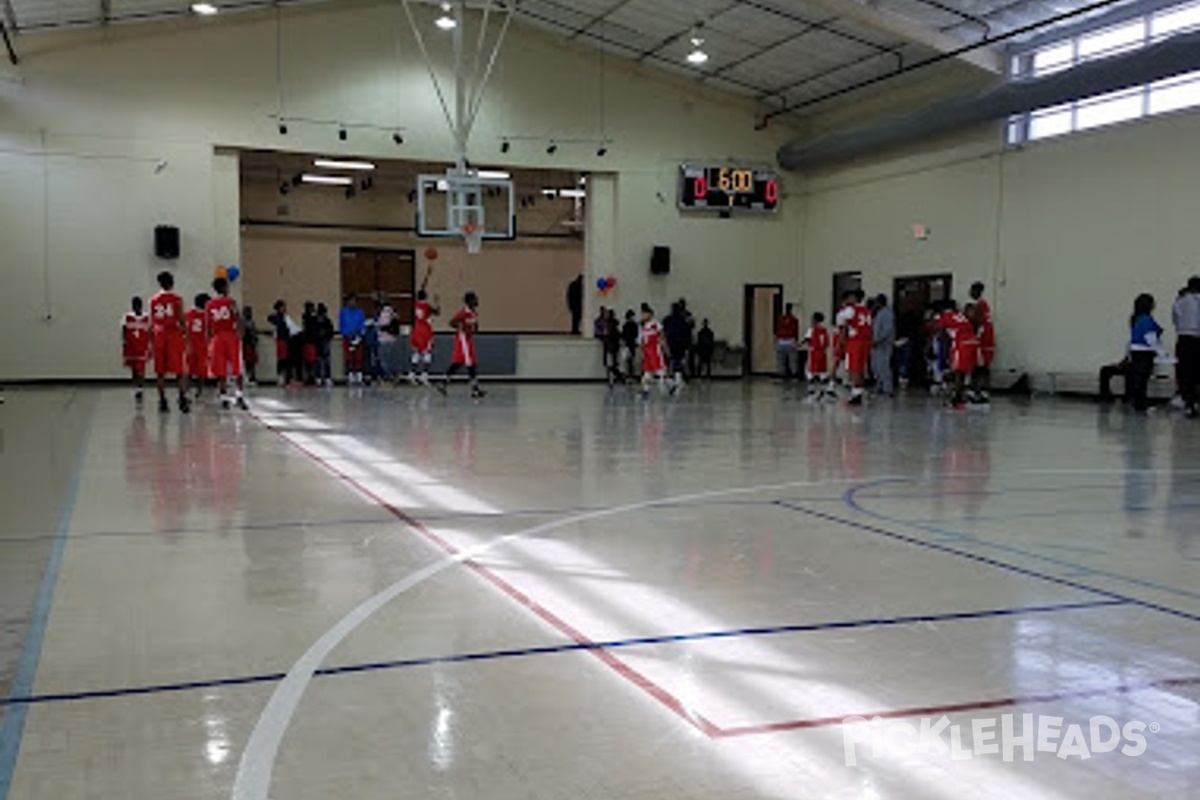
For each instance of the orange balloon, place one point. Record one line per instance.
(221, 272)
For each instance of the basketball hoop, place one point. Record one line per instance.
(473, 235)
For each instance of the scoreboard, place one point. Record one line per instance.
(724, 188)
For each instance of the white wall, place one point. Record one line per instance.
(1064, 232)
(87, 115)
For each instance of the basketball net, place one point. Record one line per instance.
(473, 235)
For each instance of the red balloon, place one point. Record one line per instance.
(431, 254)
(610, 281)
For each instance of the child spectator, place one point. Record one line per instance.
(250, 345)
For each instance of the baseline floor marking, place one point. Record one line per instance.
(991, 562)
(954, 708)
(12, 727)
(571, 647)
(851, 500)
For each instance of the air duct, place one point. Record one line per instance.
(1175, 56)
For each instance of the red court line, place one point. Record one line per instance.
(937, 711)
(618, 666)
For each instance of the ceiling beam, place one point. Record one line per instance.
(598, 19)
(696, 28)
(984, 58)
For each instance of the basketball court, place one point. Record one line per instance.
(562, 593)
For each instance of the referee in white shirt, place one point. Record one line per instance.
(1186, 316)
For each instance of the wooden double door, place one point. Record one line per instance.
(375, 277)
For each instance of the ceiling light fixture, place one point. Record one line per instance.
(697, 56)
(398, 138)
(505, 146)
(445, 21)
(327, 180)
(327, 163)
(283, 129)
(496, 175)
(602, 152)
(342, 134)
(552, 149)
(204, 9)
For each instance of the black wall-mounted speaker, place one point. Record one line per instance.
(660, 261)
(166, 241)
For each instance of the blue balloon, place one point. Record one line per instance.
(233, 272)
(601, 283)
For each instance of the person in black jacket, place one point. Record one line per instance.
(706, 346)
(629, 343)
(678, 336)
(310, 336)
(575, 304)
(612, 347)
(324, 332)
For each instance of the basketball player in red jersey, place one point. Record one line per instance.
(959, 331)
(816, 339)
(465, 324)
(197, 338)
(225, 348)
(135, 345)
(421, 338)
(654, 359)
(987, 340)
(854, 325)
(169, 341)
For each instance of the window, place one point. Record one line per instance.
(1120, 39)
(1175, 20)
(1054, 58)
(1108, 109)
(1051, 122)
(1173, 94)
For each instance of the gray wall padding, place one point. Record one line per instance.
(497, 353)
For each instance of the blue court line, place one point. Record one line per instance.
(991, 562)
(387, 521)
(12, 727)
(1081, 570)
(1050, 489)
(570, 647)
(1127, 508)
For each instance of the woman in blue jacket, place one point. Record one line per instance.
(1145, 344)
